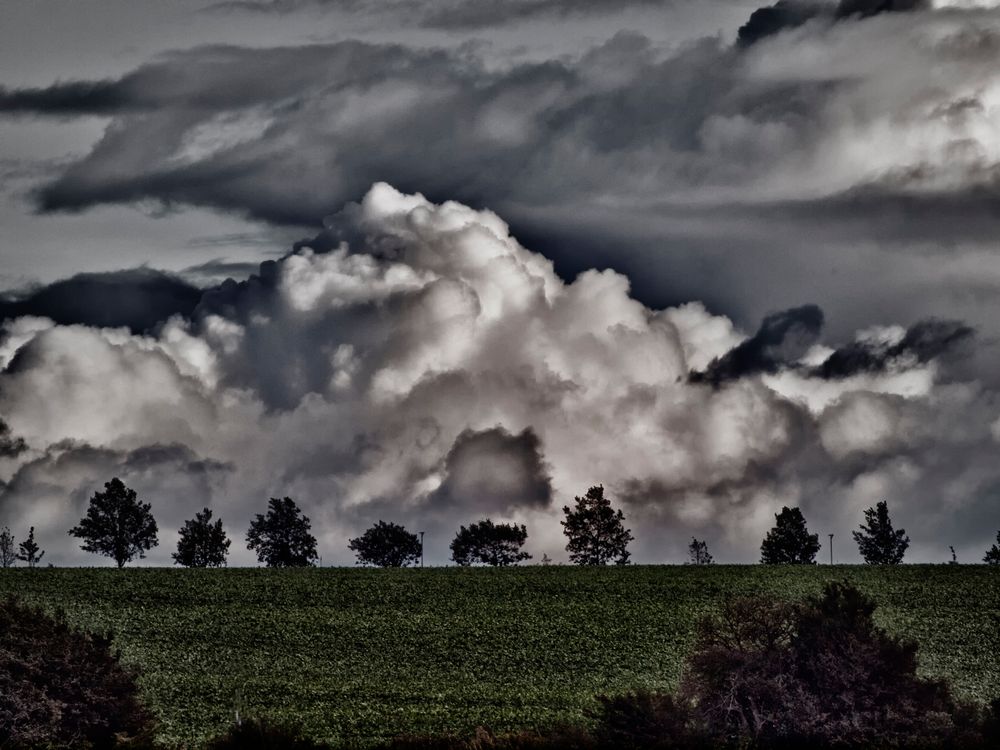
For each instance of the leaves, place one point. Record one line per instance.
(281, 538)
(877, 542)
(387, 545)
(596, 532)
(789, 542)
(202, 544)
(117, 525)
(498, 545)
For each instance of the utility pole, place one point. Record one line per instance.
(421, 549)
(831, 549)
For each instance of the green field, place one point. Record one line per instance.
(357, 654)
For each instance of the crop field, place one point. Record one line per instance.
(354, 655)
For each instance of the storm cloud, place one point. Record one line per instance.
(717, 273)
(138, 299)
(433, 371)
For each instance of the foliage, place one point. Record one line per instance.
(992, 556)
(498, 545)
(29, 551)
(261, 734)
(281, 538)
(117, 525)
(821, 674)
(202, 544)
(61, 687)
(358, 656)
(878, 542)
(789, 542)
(596, 533)
(698, 553)
(386, 545)
(7, 554)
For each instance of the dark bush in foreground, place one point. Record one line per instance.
(63, 688)
(261, 734)
(777, 676)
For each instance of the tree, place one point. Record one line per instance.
(386, 545)
(490, 544)
(789, 542)
(877, 542)
(28, 550)
(117, 524)
(64, 688)
(698, 553)
(281, 538)
(993, 553)
(202, 544)
(596, 533)
(7, 555)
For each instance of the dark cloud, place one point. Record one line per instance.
(452, 15)
(922, 342)
(11, 446)
(782, 338)
(71, 98)
(790, 14)
(494, 472)
(138, 299)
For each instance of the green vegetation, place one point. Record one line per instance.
(355, 654)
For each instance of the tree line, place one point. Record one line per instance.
(119, 526)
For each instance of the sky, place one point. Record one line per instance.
(430, 262)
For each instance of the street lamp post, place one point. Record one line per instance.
(831, 549)
(421, 549)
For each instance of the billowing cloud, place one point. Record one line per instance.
(427, 368)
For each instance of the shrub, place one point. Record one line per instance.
(64, 688)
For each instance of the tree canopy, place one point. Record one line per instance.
(698, 553)
(281, 538)
(878, 542)
(789, 542)
(596, 532)
(993, 553)
(29, 551)
(386, 545)
(490, 544)
(7, 553)
(202, 544)
(117, 525)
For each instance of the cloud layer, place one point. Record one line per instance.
(432, 371)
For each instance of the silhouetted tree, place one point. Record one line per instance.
(7, 554)
(386, 545)
(698, 553)
(117, 525)
(789, 542)
(63, 688)
(202, 544)
(28, 551)
(993, 553)
(596, 532)
(490, 544)
(281, 538)
(877, 542)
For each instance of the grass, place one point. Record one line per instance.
(354, 655)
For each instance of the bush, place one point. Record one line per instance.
(820, 674)
(64, 688)
(261, 734)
